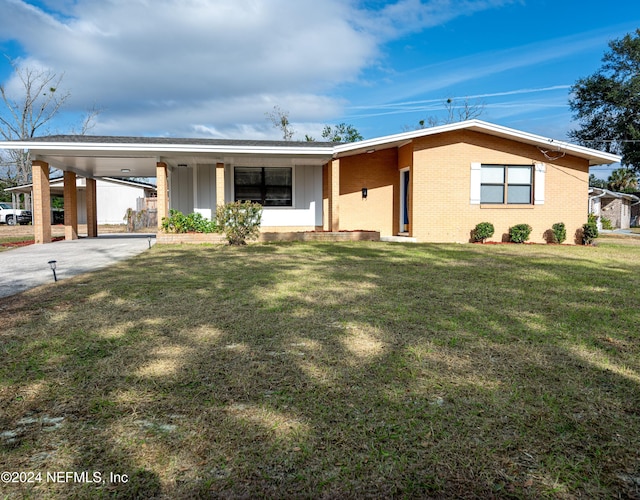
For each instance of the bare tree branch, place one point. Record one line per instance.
(21, 118)
(280, 120)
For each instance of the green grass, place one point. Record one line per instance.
(331, 370)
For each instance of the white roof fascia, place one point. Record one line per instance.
(594, 156)
(119, 148)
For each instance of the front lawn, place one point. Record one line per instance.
(329, 371)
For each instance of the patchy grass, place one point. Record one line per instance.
(331, 370)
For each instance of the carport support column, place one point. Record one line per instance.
(92, 208)
(162, 186)
(41, 202)
(334, 195)
(70, 206)
(220, 184)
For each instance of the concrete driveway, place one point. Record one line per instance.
(27, 267)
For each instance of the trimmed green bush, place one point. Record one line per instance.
(483, 231)
(519, 233)
(559, 232)
(240, 221)
(590, 230)
(606, 224)
(177, 222)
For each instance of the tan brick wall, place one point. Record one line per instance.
(378, 172)
(162, 186)
(439, 204)
(220, 184)
(70, 206)
(189, 238)
(92, 208)
(325, 197)
(333, 184)
(41, 202)
(441, 180)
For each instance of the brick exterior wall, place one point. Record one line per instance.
(70, 206)
(41, 202)
(617, 210)
(378, 172)
(440, 184)
(92, 208)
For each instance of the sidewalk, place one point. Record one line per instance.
(27, 267)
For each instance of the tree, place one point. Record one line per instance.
(24, 116)
(456, 111)
(280, 120)
(341, 133)
(597, 183)
(623, 180)
(607, 103)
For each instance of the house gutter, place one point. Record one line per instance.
(591, 198)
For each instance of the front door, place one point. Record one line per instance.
(404, 201)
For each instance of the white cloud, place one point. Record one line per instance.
(410, 16)
(212, 66)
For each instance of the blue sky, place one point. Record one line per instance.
(214, 68)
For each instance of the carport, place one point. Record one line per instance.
(93, 157)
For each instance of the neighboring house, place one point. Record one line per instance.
(428, 185)
(114, 197)
(616, 207)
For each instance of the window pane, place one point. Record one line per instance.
(519, 175)
(491, 174)
(265, 185)
(248, 176)
(278, 197)
(492, 194)
(249, 193)
(519, 194)
(277, 176)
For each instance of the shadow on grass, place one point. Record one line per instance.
(333, 370)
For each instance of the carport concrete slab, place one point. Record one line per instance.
(27, 267)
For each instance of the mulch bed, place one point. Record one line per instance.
(11, 244)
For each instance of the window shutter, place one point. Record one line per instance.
(476, 180)
(538, 193)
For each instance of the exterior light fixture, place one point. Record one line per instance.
(149, 241)
(125, 170)
(365, 193)
(369, 151)
(52, 264)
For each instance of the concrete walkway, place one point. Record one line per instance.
(27, 267)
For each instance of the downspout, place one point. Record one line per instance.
(591, 198)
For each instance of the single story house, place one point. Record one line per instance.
(114, 196)
(428, 185)
(613, 206)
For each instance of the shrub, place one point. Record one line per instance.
(590, 230)
(177, 222)
(606, 224)
(519, 233)
(559, 232)
(240, 221)
(483, 231)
